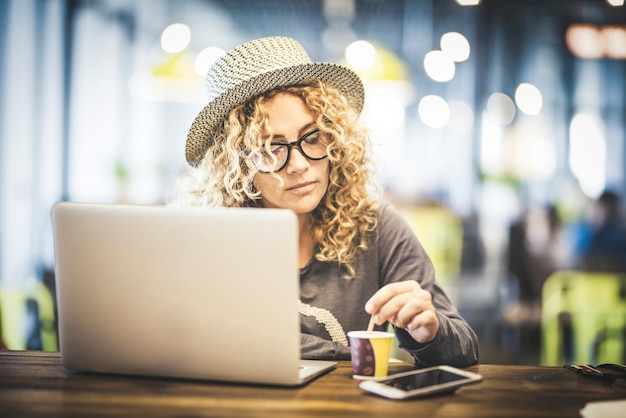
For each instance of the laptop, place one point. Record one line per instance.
(209, 294)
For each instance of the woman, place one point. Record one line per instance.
(282, 132)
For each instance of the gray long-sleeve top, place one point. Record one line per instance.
(331, 306)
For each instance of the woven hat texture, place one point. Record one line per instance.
(257, 67)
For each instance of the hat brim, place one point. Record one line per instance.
(213, 114)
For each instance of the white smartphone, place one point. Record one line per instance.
(422, 382)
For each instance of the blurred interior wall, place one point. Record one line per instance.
(31, 131)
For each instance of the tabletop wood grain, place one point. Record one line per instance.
(35, 384)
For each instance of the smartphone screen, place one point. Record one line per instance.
(424, 382)
(423, 379)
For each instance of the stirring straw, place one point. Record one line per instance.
(370, 326)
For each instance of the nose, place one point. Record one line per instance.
(297, 161)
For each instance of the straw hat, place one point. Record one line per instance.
(257, 67)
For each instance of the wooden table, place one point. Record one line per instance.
(35, 384)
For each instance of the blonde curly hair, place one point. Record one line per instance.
(347, 212)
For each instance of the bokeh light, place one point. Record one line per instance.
(585, 41)
(439, 66)
(456, 46)
(361, 55)
(528, 98)
(434, 111)
(501, 108)
(175, 38)
(587, 153)
(615, 42)
(206, 58)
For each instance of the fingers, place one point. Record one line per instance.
(406, 305)
(410, 313)
(404, 298)
(424, 326)
(385, 294)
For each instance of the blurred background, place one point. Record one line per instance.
(499, 129)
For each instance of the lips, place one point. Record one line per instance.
(302, 187)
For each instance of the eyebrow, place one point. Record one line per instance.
(306, 128)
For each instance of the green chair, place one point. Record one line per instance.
(583, 318)
(441, 233)
(20, 304)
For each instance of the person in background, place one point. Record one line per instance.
(534, 251)
(281, 131)
(605, 248)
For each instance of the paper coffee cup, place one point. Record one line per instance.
(370, 353)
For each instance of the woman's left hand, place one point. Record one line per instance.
(406, 305)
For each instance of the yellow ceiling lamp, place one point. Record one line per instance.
(385, 76)
(374, 62)
(179, 66)
(173, 78)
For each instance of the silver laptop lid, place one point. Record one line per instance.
(188, 293)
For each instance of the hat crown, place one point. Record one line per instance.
(252, 59)
(255, 68)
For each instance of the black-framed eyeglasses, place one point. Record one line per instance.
(313, 145)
